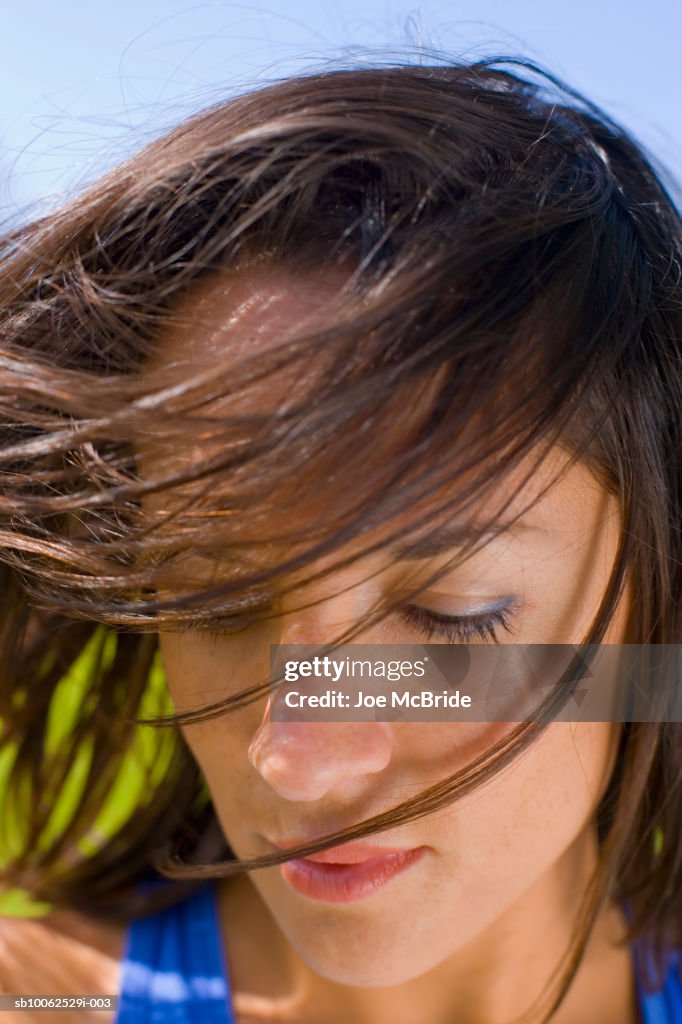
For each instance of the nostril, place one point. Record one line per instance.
(304, 760)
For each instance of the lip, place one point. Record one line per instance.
(347, 873)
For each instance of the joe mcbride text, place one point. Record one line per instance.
(393, 699)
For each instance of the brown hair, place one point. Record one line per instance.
(515, 262)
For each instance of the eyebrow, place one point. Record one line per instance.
(451, 537)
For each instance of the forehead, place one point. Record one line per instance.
(241, 315)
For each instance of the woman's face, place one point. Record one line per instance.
(525, 837)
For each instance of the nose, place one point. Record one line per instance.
(310, 759)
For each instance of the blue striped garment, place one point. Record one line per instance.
(175, 971)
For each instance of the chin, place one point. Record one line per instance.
(363, 974)
(370, 958)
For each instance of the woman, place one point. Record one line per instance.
(381, 356)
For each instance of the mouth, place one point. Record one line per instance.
(347, 873)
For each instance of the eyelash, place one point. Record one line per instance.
(457, 628)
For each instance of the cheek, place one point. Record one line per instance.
(198, 673)
(201, 669)
(535, 816)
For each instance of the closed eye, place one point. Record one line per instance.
(457, 628)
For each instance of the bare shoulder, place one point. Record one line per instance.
(63, 953)
(105, 937)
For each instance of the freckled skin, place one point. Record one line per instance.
(482, 920)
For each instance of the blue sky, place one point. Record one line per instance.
(84, 83)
